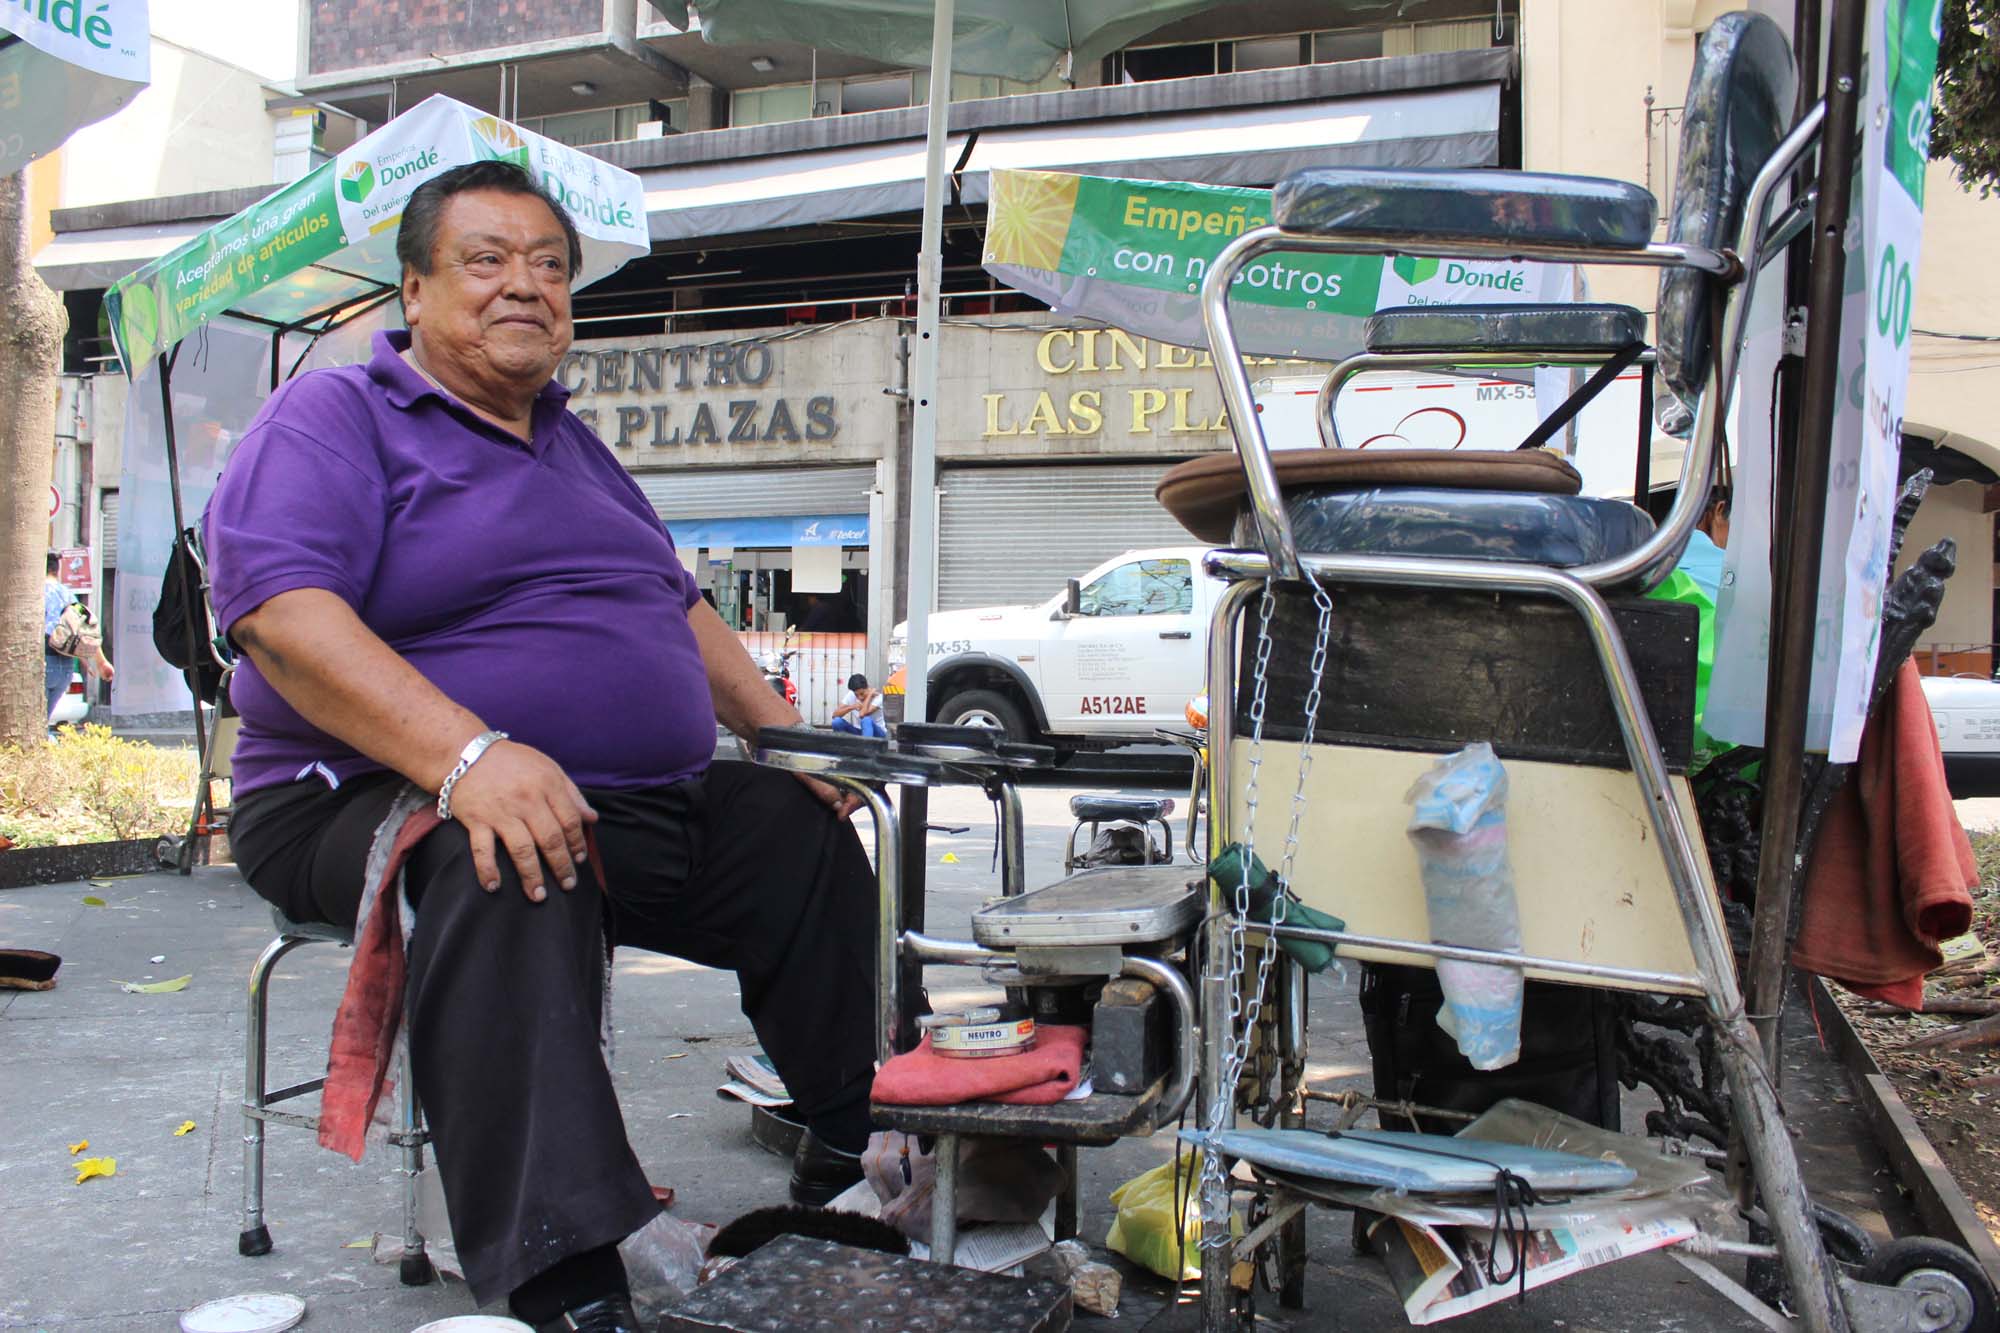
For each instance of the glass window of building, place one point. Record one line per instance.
(875, 94)
(1348, 44)
(1268, 53)
(769, 106)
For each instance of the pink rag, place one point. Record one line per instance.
(1037, 1077)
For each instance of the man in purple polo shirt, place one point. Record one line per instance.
(424, 559)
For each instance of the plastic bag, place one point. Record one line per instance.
(663, 1262)
(1458, 823)
(1145, 1229)
(1226, 872)
(1683, 586)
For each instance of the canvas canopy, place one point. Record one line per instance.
(1132, 254)
(327, 242)
(65, 64)
(1009, 39)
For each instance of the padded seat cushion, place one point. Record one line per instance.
(1574, 329)
(1140, 808)
(1455, 204)
(1206, 493)
(1559, 530)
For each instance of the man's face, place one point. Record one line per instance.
(495, 306)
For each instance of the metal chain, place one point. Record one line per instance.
(1243, 1013)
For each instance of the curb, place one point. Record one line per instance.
(21, 867)
(1940, 1203)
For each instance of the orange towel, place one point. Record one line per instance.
(1038, 1077)
(1892, 870)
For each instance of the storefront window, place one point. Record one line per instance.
(1141, 588)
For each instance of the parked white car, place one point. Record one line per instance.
(1967, 712)
(1119, 651)
(74, 706)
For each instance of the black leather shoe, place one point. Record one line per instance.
(821, 1173)
(610, 1314)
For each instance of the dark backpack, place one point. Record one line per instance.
(182, 632)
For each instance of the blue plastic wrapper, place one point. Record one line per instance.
(1458, 824)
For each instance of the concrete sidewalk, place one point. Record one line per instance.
(89, 1061)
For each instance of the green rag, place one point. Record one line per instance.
(1226, 873)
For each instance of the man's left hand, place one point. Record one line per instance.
(842, 802)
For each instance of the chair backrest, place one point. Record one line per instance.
(1739, 107)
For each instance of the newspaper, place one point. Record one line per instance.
(751, 1078)
(1440, 1271)
(984, 1247)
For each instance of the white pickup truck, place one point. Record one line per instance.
(1119, 651)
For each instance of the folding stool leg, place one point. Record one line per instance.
(416, 1270)
(255, 1238)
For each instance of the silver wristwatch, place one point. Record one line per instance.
(467, 757)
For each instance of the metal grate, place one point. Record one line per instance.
(756, 492)
(1008, 536)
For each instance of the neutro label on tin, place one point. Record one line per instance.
(986, 1031)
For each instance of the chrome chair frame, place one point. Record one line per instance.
(260, 1102)
(1819, 1294)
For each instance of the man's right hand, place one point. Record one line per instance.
(517, 797)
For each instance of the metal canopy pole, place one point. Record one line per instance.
(924, 380)
(1796, 589)
(921, 589)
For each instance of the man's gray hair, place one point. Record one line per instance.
(416, 242)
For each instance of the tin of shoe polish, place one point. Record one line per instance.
(980, 1033)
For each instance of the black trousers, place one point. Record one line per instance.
(740, 869)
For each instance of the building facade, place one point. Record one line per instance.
(752, 371)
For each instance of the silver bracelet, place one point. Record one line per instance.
(467, 757)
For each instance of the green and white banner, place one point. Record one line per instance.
(65, 64)
(1133, 253)
(1882, 250)
(329, 237)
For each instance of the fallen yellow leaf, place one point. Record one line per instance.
(89, 1168)
(155, 987)
(93, 900)
(78, 1146)
(187, 1127)
(950, 858)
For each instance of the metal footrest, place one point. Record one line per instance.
(1094, 1121)
(1117, 905)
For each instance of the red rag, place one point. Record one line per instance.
(371, 1007)
(1892, 869)
(1037, 1077)
(363, 1048)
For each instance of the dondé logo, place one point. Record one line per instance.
(495, 140)
(69, 16)
(1414, 270)
(357, 182)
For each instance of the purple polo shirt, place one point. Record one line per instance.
(532, 583)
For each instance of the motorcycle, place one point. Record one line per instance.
(778, 675)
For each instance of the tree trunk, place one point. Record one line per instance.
(32, 323)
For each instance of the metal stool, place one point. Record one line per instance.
(1148, 812)
(410, 1135)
